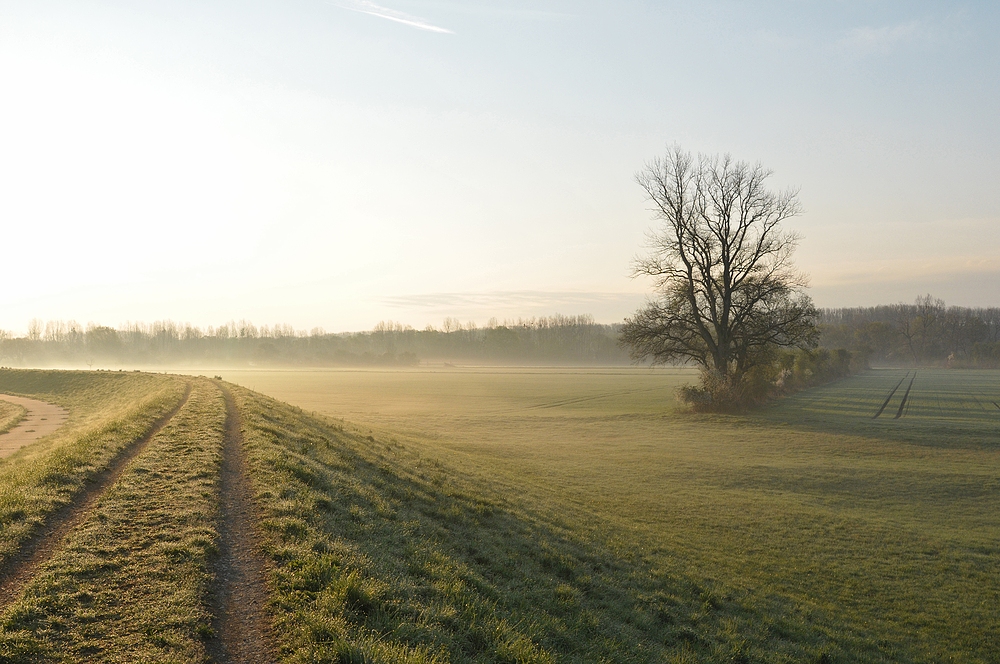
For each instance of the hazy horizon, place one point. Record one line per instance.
(335, 164)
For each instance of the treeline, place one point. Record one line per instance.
(546, 340)
(924, 333)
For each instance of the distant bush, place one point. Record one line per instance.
(787, 371)
(984, 355)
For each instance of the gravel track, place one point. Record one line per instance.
(41, 419)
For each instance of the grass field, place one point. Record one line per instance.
(131, 582)
(807, 530)
(107, 412)
(10, 415)
(502, 515)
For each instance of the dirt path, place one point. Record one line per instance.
(20, 568)
(41, 419)
(242, 625)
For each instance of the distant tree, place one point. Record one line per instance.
(35, 329)
(103, 341)
(726, 294)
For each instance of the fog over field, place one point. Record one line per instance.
(335, 164)
(499, 332)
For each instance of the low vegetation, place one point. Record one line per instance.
(785, 372)
(381, 555)
(107, 412)
(581, 509)
(10, 415)
(132, 582)
(926, 333)
(531, 515)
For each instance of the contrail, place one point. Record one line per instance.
(366, 7)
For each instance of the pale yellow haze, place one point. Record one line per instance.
(319, 165)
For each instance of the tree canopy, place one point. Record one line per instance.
(726, 293)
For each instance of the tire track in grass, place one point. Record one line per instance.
(22, 566)
(986, 400)
(906, 396)
(242, 625)
(608, 395)
(889, 398)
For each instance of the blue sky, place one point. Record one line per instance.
(333, 164)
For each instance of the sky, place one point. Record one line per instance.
(335, 164)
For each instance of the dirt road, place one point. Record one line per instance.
(41, 420)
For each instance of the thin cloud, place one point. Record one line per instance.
(370, 8)
(603, 306)
(466, 7)
(506, 298)
(868, 39)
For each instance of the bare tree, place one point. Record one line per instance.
(727, 294)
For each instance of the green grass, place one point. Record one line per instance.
(132, 582)
(808, 530)
(11, 415)
(107, 411)
(524, 515)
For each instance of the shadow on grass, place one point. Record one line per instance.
(381, 555)
(945, 408)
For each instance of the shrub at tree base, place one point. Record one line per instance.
(727, 296)
(787, 371)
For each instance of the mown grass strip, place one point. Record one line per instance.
(323, 518)
(40, 483)
(132, 583)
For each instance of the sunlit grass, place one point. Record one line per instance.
(107, 411)
(10, 415)
(132, 582)
(810, 528)
(385, 555)
(525, 516)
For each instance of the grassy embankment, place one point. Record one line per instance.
(519, 516)
(132, 582)
(107, 411)
(550, 516)
(10, 415)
